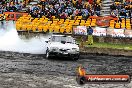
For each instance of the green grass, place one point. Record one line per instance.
(110, 45)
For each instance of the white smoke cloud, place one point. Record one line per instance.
(10, 41)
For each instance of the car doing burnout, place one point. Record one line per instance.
(62, 45)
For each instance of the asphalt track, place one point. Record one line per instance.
(25, 70)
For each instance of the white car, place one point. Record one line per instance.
(62, 46)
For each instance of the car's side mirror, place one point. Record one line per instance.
(77, 43)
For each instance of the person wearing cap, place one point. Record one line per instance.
(90, 36)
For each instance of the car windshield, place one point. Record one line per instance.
(62, 39)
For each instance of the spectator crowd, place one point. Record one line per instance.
(10, 6)
(67, 8)
(122, 9)
(59, 8)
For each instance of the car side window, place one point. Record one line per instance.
(53, 38)
(70, 40)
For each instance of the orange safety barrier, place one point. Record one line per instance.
(14, 15)
(103, 21)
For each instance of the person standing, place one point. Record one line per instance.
(90, 35)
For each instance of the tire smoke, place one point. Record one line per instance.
(11, 41)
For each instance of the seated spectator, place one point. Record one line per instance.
(97, 10)
(18, 6)
(48, 15)
(63, 15)
(113, 6)
(123, 14)
(12, 8)
(113, 14)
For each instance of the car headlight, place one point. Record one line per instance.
(75, 49)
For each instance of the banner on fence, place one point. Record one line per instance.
(98, 31)
(116, 32)
(79, 30)
(128, 33)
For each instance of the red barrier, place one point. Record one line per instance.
(14, 15)
(103, 21)
(106, 17)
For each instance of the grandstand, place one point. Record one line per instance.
(60, 16)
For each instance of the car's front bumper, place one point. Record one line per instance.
(64, 54)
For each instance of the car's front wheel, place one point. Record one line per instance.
(47, 54)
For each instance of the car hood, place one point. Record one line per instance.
(63, 46)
